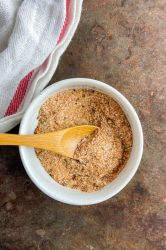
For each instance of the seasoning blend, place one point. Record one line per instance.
(100, 157)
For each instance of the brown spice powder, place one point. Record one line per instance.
(98, 158)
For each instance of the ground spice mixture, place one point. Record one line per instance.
(100, 156)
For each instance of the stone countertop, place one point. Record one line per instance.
(123, 43)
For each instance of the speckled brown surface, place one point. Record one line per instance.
(123, 43)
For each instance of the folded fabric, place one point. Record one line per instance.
(33, 36)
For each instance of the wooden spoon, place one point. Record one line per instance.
(63, 142)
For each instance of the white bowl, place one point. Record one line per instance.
(43, 180)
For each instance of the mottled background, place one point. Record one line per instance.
(123, 43)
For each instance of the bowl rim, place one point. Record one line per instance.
(66, 84)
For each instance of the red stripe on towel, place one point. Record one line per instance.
(66, 23)
(19, 95)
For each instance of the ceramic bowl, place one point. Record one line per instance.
(43, 180)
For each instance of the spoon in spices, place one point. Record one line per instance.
(63, 142)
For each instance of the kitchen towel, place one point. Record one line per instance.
(33, 36)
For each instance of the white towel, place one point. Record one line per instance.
(33, 36)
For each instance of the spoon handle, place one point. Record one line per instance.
(49, 141)
(19, 140)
